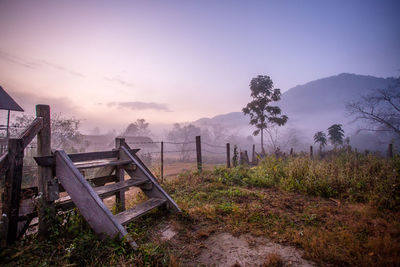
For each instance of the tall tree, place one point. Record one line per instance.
(138, 128)
(262, 114)
(336, 134)
(380, 109)
(320, 137)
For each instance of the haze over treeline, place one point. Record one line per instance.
(108, 64)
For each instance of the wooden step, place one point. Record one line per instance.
(129, 215)
(97, 164)
(107, 190)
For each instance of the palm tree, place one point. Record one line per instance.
(320, 137)
(336, 134)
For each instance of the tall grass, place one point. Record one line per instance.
(354, 177)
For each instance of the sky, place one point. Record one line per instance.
(112, 62)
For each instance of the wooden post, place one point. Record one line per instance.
(162, 162)
(12, 190)
(311, 152)
(228, 155)
(235, 156)
(120, 173)
(45, 175)
(246, 157)
(390, 151)
(291, 151)
(198, 151)
(253, 155)
(8, 124)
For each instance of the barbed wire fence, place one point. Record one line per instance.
(168, 158)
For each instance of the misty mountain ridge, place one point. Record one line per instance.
(313, 106)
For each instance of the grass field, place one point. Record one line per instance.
(340, 211)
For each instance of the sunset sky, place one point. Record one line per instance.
(111, 62)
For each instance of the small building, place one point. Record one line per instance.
(97, 142)
(6, 103)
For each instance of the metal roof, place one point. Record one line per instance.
(7, 103)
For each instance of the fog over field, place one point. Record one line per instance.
(192, 63)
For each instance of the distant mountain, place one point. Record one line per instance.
(312, 106)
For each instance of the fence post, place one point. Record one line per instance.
(390, 151)
(228, 155)
(12, 190)
(253, 155)
(291, 151)
(46, 208)
(311, 152)
(198, 151)
(162, 162)
(120, 173)
(235, 156)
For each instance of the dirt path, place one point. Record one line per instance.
(225, 250)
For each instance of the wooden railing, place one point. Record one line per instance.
(11, 164)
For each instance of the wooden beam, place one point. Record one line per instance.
(88, 202)
(156, 191)
(12, 188)
(45, 174)
(31, 131)
(49, 160)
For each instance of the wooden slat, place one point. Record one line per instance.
(88, 202)
(108, 190)
(3, 163)
(129, 215)
(157, 191)
(90, 165)
(31, 131)
(97, 181)
(49, 161)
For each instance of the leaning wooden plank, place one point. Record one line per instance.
(49, 161)
(129, 215)
(88, 202)
(31, 131)
(157, 191)
(98, 164)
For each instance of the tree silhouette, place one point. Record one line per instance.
(336, 134)
(320, 137)
(262, 114)
(138, 128)
(380, 109)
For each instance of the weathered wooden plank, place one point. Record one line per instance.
(108, 190)
(88, 202)
(31, 131)
(96, 181)
(49, 161)
(142, 171)
(45, 174)
(90, 165)
(129, 215)
(12, 187)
